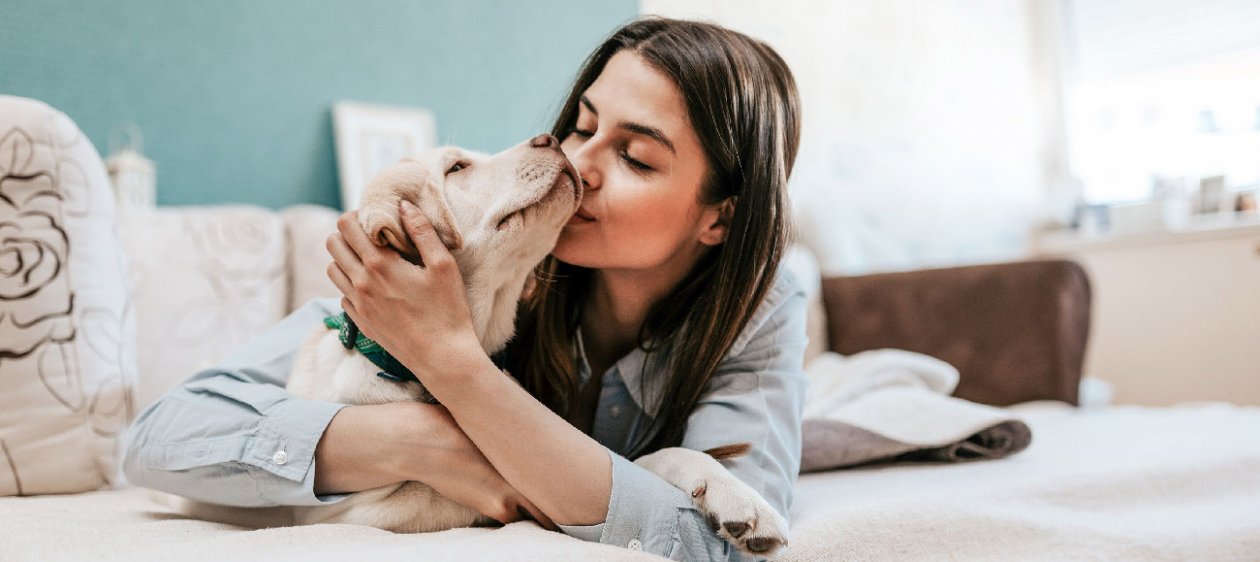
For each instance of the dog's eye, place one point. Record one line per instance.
(457, 167)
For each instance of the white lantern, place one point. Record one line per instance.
(133, 176)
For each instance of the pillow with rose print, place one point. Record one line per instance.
(66, 352)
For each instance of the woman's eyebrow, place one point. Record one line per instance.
(587, 102)
(650, 132)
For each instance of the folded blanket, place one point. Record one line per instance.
(889, 404)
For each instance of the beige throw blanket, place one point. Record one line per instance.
(890, 404)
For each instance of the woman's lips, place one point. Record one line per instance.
(580, 217)
(581, 212)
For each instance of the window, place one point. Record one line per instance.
(1162, 89)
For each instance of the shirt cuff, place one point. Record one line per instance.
(284, 446)
(646, 513)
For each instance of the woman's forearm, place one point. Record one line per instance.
(367, 447)
(567, 474)
(363, 448)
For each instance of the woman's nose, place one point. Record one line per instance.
(591, 178)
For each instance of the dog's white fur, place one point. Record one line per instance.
(499, 215)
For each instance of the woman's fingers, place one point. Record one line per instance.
(341, 252)
(537, 515)
(339, 278)
(422, 234)
(516, 508)
(497, 502)
(354, 237)
(348, 308)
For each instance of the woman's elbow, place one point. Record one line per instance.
(133, 469)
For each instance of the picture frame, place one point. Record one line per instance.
(369, 137)
(1213, 198)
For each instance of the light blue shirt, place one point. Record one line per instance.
(233, 435)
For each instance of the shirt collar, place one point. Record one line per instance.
(645, 393)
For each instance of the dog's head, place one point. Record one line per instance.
(503, 210)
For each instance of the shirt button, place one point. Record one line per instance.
(280, 457)
(634, 544)
(615, 411)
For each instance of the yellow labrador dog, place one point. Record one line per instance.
(500, 216)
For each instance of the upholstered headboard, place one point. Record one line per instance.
(1015, 331)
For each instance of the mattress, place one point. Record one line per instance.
(1119, 483)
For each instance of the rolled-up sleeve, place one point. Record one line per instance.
(232, 434)
(646, 513)
(756, 397)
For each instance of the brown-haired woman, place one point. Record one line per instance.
(665, 285)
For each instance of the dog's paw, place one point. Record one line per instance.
(738, 514)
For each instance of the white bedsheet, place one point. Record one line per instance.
(1121, 483)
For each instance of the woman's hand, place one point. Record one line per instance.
(465, 476)
(417, 313)
(369, 446)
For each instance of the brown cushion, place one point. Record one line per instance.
(1015, 331)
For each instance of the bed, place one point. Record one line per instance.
(1097, 481)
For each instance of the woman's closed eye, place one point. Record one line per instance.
(635, 164)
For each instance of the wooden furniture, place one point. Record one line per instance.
(1176, 315)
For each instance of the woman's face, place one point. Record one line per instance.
(642, 165)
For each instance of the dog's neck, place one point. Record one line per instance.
(492, 299)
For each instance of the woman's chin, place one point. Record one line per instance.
(569, 250)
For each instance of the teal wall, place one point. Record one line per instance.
(234, 96)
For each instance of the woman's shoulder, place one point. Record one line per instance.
(770, 350)
(782, 310)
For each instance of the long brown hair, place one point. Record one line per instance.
(742, 103)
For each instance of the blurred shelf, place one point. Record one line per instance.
(1208, 228)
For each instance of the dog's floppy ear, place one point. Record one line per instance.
(412, 181)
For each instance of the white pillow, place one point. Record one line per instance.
(66, 349)
(206, 280)
(801, 262)
(308, 227)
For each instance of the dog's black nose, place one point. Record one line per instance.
(544, 141)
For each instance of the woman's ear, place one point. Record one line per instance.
(715, 221)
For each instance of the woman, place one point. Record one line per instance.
(665, 285)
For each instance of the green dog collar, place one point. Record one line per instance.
(352, 338)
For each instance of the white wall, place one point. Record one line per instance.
(931, 135)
